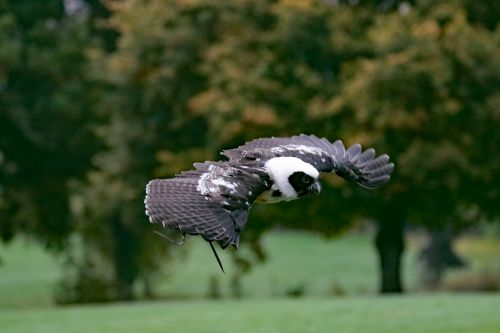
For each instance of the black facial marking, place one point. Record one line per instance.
(276, 193)
(301, 182)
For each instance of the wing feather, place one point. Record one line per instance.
(353, 163)
(212, 201)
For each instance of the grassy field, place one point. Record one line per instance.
(337, 279)
(430, 314)
(297, 261)
(28, 275)
(302, 262)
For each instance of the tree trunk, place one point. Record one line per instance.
(148, 287)
(390, 246)
(436, 257)
(124, 255)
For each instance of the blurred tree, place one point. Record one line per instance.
(149, 77)
(189, 78)
(405, 81)
(156, 119)
(47, 114)
(484, 13)
(96, 101)
(427, 96)
(270, 71)
(45, 111)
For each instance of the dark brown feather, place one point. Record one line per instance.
(217, 213)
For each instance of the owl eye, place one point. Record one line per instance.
(306, 179)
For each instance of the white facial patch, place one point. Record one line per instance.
(280, 168)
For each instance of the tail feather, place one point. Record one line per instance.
(354, 151)
(367, 155)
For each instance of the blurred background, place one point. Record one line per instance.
(99, 96)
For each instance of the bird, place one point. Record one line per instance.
(215, 198)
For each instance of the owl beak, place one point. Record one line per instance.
(316, 188)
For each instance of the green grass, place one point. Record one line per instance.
(320, 267)
(483, 258)
(430, 314)
(323, 268)
(296, 260)
(28, 275)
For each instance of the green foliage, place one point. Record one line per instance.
(427, 96)
(45, 112)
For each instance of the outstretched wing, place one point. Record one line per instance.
(212, 201)
(353, 163)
